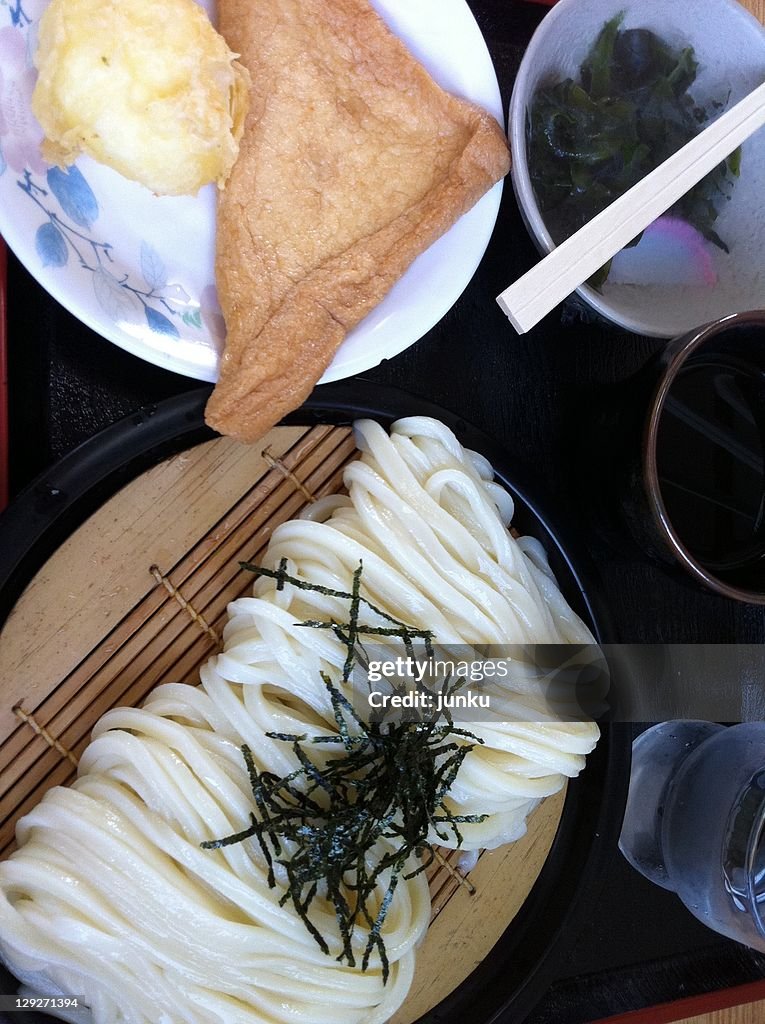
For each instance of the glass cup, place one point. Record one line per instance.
(695, 821)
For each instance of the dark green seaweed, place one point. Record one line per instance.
(591, 140)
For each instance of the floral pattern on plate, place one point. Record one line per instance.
(68, 233)
(20, 134)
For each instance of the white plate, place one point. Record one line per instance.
(138, 268)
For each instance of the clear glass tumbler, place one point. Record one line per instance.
(695, 821)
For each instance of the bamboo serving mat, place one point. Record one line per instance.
(137, 597)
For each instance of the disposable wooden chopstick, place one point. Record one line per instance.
(535, 294)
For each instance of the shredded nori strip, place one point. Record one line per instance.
(387, 785)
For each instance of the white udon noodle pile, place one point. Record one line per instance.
(109, 896)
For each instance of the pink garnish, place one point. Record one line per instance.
(671, 252)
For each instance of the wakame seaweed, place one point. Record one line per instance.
(590, 141)
(380, 783)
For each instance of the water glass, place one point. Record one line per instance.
(695, 821)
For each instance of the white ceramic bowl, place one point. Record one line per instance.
(730, 48)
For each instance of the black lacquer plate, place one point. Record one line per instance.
(518, 971)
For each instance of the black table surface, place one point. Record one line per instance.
(637, 946)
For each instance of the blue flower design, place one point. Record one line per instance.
(69, 233)
(74, 194)
(19, 16)
(51, 245)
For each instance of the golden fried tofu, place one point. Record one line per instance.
(353, 162)
(148, 88)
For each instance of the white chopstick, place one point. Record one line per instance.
(555, 277)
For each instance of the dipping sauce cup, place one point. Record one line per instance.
(704, 454)
(675, 456)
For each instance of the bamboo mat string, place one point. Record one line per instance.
(190, 610)
(287, 473)
(457, 875)
(41, 731)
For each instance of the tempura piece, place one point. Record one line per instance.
(147, 88)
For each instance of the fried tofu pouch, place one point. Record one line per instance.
(150, 89)
(353, 161)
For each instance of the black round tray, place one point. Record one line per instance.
(517, 972)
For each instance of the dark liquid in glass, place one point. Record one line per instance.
(711, 463)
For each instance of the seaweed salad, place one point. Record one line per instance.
(590, 141)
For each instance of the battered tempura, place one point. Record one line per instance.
(147, 88)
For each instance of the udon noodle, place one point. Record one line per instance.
(109, 896)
